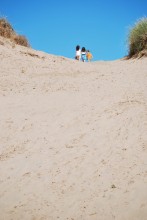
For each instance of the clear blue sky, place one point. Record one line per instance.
(56, 27)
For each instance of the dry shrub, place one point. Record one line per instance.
(21, 40)
(7, 31)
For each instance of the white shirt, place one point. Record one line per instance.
(78, 53)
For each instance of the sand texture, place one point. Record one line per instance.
(73, 137)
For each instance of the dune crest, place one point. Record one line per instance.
(73, 141)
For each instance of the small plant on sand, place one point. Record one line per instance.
(7, 31)
(137, 38)
(21, 40)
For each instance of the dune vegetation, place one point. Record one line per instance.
(137, 39)
(7, 31)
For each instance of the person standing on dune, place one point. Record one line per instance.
(89, 55)
(78, 53)
(83, 54)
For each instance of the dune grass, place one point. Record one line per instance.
(7, 31)
(137, 38)
(21, 40)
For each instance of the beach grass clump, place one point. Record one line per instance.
(21, 40)
(138, 38)
(7, 31)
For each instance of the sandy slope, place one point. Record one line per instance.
(73, 137)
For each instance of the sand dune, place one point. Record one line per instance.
(73, 137)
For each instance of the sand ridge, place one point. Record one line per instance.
(73, 143)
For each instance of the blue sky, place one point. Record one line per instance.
(56, 27)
